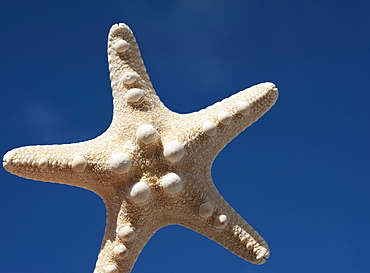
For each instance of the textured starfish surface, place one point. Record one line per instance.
(152, 167)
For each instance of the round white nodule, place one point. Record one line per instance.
(79, 163)
(209, 128)
(134, 95)
(224, 118)
(206, 210)
(111, 269)
(121, 46)
(120, 163)
(126, 233)
(43, 163)
(147, 133)
(221, 221)
(243, 108)
(129, 77)
(174, 151)
(140, 192)
(171, 183)
(120, 252)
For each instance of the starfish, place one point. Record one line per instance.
(152, 166)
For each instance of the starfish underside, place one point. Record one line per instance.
(152, 167)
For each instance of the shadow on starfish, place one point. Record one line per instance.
(152, 167)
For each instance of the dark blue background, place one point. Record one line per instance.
(300, 175)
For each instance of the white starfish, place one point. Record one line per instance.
(152, 167)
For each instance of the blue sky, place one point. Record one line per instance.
(300, 175)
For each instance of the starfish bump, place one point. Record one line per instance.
(152, 167)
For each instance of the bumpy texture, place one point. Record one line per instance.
(152, 167)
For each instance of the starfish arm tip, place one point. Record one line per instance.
(213, 217)
(219, 123)
(127, 69)
(65, 164)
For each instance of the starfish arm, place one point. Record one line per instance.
(209, 214)
(75, 164)
(227, 228)
(218, 124)
(127, 69)
(132, 90)
(129, 227)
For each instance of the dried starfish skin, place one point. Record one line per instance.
(152, 167)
